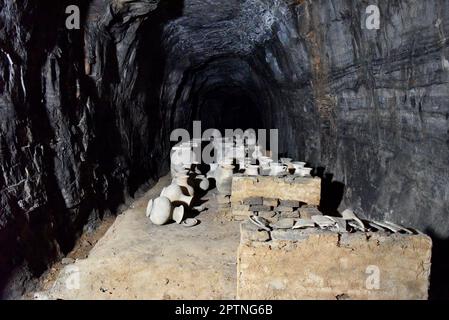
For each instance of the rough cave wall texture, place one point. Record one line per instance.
(369, 106)
(74, 143)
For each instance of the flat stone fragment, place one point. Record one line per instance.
(271, 202)
(284, 209)
(256, 208)
(286, 223)
(253, 201)
(304, 223)
(289, 203)
(292, 215)
(308, 212)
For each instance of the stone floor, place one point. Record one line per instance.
(138, 260)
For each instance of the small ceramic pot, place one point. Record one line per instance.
(161, 210)
(304, 172)
(265, 162)
(182, 181)
(203, 183)
(174, 193)
(277, 169)
(178, 214)
(213, 168)
(252, 170)
(223, 178)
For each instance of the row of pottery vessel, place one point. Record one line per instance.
(179, 194)
(175, 198)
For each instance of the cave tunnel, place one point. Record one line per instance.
(222, 94)
(86, 114)
(227, 108)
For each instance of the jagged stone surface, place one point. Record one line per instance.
(72, 146)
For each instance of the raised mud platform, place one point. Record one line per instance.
(317, 264)
(303, 189)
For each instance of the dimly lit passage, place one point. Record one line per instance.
(358, 94)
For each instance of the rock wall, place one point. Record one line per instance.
(79, 122)
(381, 101)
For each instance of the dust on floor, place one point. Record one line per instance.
(138, 260)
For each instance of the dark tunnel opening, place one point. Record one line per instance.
(227, 107)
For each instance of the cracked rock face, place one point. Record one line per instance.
(85, 115)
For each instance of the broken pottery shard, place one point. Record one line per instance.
(386, 226)
(190, 222)
(355, 225)
(348, 214)
(303, 223)
(260, 222)
(376, 226)
(284, 224)
(401, 228)
(340, 223)
(323, 221)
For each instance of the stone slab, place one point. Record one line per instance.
(283, 209)
(256, 208)
(289, 203)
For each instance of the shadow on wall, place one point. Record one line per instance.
(332, 192)
(439, 275)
